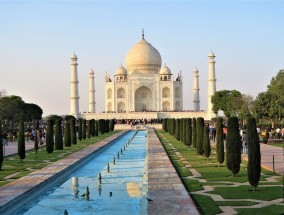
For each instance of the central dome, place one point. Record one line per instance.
(143, 58)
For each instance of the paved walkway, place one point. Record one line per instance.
(267, 152)
(12, 148)
(164, 185)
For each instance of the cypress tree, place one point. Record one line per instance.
(80, 125)
(107, 125)
(58, 135)
(111, 125)
(185, 121)
(177, 130)
(220, 141)
(254, 156)
(101, 126)
(21, 141)
(36, 142)
(93, 127)
(73, 132)
(88, 129)
(206, 142)
(188, 137)
(181, 129)
(67, 135)
(49, 136)
(84, 131)
(199, 135)
(173, 126)
(165, 124)
(96, 128)
(233, 146)
(194, 133)
(1, 146)
(168, 125)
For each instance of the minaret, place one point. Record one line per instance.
(92, 102)
(211, 83)
(196, 101)
(74, 87)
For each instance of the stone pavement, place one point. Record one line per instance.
(12, 147)
(230, 210)
(164, 185)
(267, 152)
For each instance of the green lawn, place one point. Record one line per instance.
(13, 165)
(220, 178)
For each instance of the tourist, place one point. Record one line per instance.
(245, 142)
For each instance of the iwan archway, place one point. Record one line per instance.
(143, 99)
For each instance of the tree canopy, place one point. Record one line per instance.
(229, 101)
(15, 109)
(270, 104)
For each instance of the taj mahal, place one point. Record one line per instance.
(144, 88)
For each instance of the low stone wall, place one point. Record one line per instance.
(145, 115)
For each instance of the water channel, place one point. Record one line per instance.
(122, 190)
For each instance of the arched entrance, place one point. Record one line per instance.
(120, 107)
(143, 99)
(166, 106)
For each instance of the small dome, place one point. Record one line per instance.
(121, 71)
(165, 70)
(143, 56)
(211, 54)
(91, 71)
(195, 70)
(74, 56)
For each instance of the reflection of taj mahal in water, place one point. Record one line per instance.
(143, 89)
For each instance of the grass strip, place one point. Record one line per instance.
(12, 164)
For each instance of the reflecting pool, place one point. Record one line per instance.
(122, 190)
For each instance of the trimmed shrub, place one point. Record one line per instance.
(194, 133)
(206, 142)
(58, 135)
(84, 131)
(188, 136)
(169, 125)
(233, 146)
(199, 135)
(89, 129)
(36, 142)
(177, 130)
(181, 129)
(80, 126)
(254, 156)
(96, 128)
(220, 141)
(1, 146)
(67, 135)
(49, 136)
(73, 132)
(21, 141)
(184, 130)
(111, 125)
(93, 127)
(165, 124)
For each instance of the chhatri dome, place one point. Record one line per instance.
(121, 71)
(143, 57)
(165, 70)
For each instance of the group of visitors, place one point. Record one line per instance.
(12, 136)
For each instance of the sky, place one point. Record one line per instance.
(37, 39)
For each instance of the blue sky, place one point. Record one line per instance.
(38, 37)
